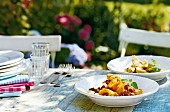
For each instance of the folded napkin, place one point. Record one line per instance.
(16, 87)
(2, 95)
(12, 89)
(14, 80)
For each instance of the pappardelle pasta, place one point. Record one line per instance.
(115, 86)
(142, 66)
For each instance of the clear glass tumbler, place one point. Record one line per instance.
(41, 49)
(36, 68)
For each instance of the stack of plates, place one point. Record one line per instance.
(11, 63)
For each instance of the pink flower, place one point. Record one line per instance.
(83, 34)
(87, 28)
(69, 22)
(89, 45)
(63, 20)
(76, 20)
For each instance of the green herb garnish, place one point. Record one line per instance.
(124, 80)
(154, 62)
(130, 83)
(156, 69)
(134, 84)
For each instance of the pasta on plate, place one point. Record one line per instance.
(115, 86)
(142, 66)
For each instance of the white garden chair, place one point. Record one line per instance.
(138, 36)
(24, 43)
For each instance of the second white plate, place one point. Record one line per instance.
(119, 64)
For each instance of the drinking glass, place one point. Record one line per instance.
(41, 49)
(36, 68)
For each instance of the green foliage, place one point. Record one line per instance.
(99, 17)
(105, 28)
(62, 55)
(167, 2)
(11, 20)
(152, 17)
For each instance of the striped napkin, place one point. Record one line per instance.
(12, 89)
(14, 80)
(16, 87)
(19, 84)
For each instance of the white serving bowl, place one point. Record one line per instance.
(119, 64)
(83, 85)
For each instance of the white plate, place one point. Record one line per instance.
(84, 84)
(119, 64)
(11, 65)
(8, 76)
(11, 68)
(9, 57)
(14, 72)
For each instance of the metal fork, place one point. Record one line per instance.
(61, 74)
(50, 78)
(68, 69)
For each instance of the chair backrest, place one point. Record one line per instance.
(138, 36)
(24, 43)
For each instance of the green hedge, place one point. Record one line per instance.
(153, 17)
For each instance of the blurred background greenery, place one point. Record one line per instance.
(18, 17)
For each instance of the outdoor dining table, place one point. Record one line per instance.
(47, 98)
